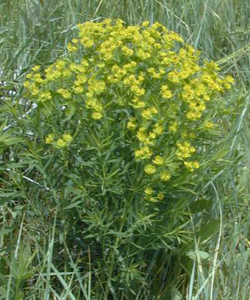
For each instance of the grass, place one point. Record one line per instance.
(34, 32)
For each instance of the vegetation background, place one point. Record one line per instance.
(37, 32)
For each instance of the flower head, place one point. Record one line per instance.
(49, 139)
(150, 169)
(148, 191)
(165, 176)
(158, 160)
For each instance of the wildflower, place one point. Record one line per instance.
(160, 195)
(36, 68)
(143, 153)
(64, 93)
(147, 114)
(229, 79)
(158, 129)
(145, 23)
(67, 137)
(78, 89)
(152, 135)
(74, 41)
(49, 139)
(61, 143)
(152, 199)
(158, 160)
(192, 165)
(173, 127)
(144, 71)
(98, 107)
(59, 64)
(66, 73)
(131, 124)
(148, 191)
(71, 47)
(165, 176)
(185, 150)
(167, 94)
(150, 169)
(96, 115)
(173, 77)
(26, 84)
(227, 86)
(141, 135)
(209, 125)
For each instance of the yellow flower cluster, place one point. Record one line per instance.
(145, 70)
(173, 127)
(158, 160)
(149, 195)
(131, 123)
(60, 143)
(185, 150)
(165, 92)
(156, 75)
(192, 165)
(49, 139)
(150, 169)
(147, 138)
(165, 176)
(143, 153)
(209, 125)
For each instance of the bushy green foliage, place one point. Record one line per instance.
(137, 80)
(118, 137)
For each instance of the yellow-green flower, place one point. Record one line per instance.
(173, 127)
(150, 169)
(149, 191)
(160, 195)
(152, 199)
(61, 143)
(36, 68)
(209, 125)
(71, 47)
(167, 94)
(229, 79)
(165, 176)
(78, 89)
(152, 135)
(158, 129)
(131, 123)
(145, 23)
(49, 139)
(67, 137)
(192, 165)
(158, 160)
(173, 77)
(96, 115)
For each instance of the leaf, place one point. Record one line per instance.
(72, 205)
(201, 254)
(200, 205)
(85, 163)
(5, 231)
(8, 196)
(208, 230)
